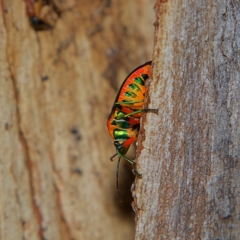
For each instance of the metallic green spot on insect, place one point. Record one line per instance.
(130, 94)
(121, 123)
(139, 80)
(134, 87)
(120, 134)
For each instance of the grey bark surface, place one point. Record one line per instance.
(189, 153)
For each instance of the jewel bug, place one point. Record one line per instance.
(124, 120)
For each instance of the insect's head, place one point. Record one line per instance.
(118, 145)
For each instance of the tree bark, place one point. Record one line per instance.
(56, 91)
(189, 153)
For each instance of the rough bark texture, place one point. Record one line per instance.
(56, 90)
(189, 153)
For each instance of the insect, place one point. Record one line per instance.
(124, 120)
(33, 12)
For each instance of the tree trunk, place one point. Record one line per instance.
(189, 153)
(56, 91)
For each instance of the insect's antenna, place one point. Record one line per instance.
(113, 156)
(117, 179)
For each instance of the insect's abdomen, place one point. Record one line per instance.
(134, 88)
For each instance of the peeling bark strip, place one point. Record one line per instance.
(189, 154)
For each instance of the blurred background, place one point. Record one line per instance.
(57, 89)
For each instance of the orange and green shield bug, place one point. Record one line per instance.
(124, 120)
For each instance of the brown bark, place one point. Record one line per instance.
(189, 153)
(56, 90)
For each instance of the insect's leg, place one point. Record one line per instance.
(154, 110)
(132, 113)
(126, 158)
(112, 157)
(117, 169)
(142, 110)
(128, 103)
